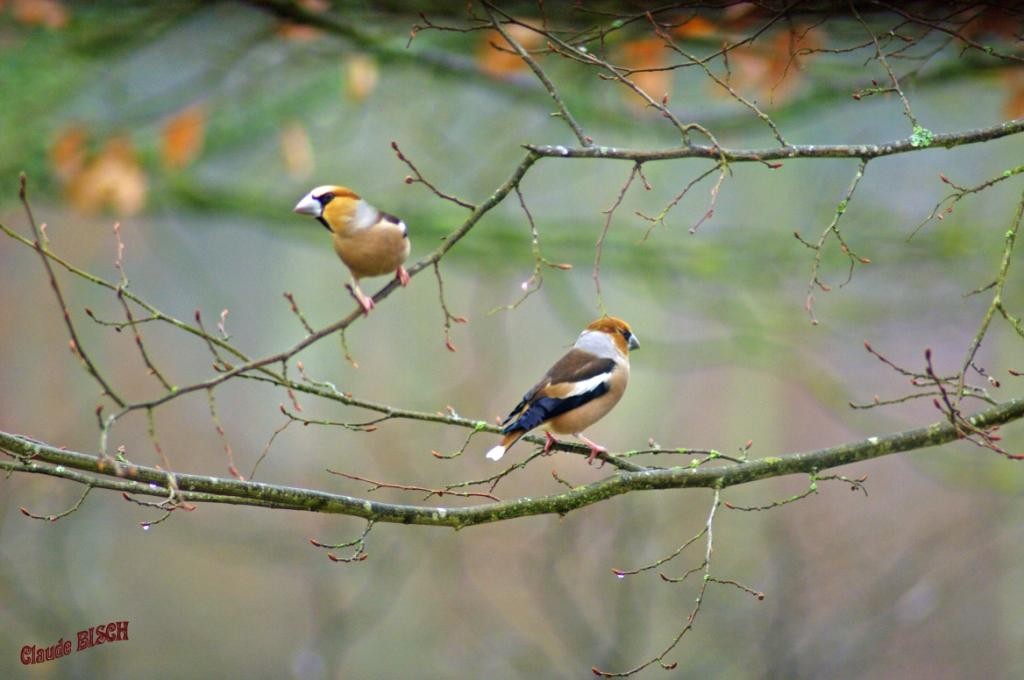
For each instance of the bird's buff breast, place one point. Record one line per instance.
(372, 252)
(579, 419)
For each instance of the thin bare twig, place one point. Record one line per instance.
(297, 312)
(563, 110)
(75, 344)
(705, 566)
(375, 485)
(358, 555)
(449, 318)
(1010, 240)
(671, 44)
(880, 58)
(129, 317)
(536, 280)
(832, 230)
(655, 220)
(599, 246)
(60, 515)
(420, 179)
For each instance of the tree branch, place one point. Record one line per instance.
(718, 153)
(104, 472)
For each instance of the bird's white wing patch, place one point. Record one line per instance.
(584, 386)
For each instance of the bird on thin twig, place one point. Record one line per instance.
(370, 242)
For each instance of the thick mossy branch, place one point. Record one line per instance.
(103, 472)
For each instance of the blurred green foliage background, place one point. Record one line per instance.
(197, 127)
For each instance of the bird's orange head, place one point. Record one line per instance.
(335, 206)
(619, 331)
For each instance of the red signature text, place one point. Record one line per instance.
(115, 631)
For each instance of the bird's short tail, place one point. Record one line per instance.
(506, 443)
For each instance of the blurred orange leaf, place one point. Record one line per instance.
(1013, 107)
(361, 76)
(296, 150)
(182, 137)
(303, 32)
(48, 13)
(1001, 22)
(773, 71)
(298, 32)
(500, 63)
(741, 15)
(67, 155)
(647, 53)
(696, 27)
(113, 179)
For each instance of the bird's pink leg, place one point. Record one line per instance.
(549, 441)
(402, 276)
(594, 449)
(364, 302)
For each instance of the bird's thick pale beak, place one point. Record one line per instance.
(308, 206)
(633, 342)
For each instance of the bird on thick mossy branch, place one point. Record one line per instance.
(580, 389)
(370, 242)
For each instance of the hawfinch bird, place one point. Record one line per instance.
(578, 390)
(368, 241)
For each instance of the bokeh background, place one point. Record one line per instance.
(197, 128)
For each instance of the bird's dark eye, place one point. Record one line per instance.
(324, 199)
